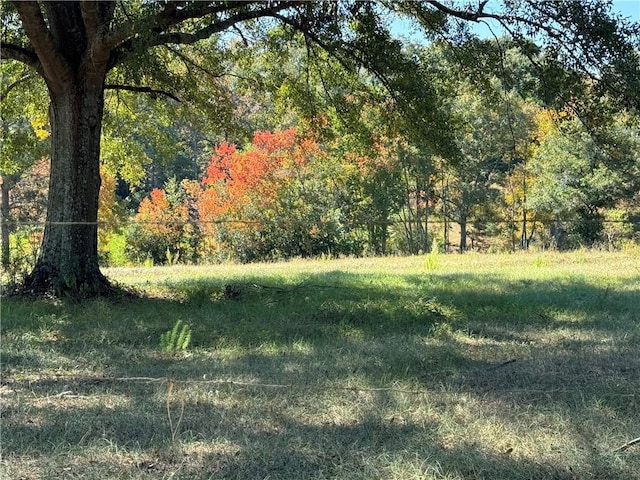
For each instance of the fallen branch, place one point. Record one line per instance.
(627, 445)
(66, 393)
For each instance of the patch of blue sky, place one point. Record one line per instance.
(628, 9)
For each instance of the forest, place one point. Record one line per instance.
(271, 148)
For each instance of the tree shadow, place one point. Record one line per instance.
(331, 330)
(241, 442)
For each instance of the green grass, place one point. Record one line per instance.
(475, 367)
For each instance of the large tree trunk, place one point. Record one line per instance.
(68, 261)
(71, 54)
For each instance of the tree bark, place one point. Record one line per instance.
(4, 220)
(425, 187)
(68, 261)
(463, 234)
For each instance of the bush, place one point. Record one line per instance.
(113, 253)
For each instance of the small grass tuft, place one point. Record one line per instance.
(432, 260)
(177, 339)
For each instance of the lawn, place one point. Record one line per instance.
(520, 366)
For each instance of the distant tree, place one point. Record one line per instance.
(26, 201)
(276, 198)
(160, 229)
(418, 177)
(575, 179)
(493, 140)
(111, 214)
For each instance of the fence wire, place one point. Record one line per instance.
(194, 240)
(126, 223)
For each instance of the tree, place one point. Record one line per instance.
(491, 124)
(276, 198)
(493, 139)
(576, 179)
(418, 176)
(23, 136)
(162, 226)
(80, 47)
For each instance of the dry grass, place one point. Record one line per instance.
(484, 367)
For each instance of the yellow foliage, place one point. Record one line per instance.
(546, 121)
(107, 209)
(40, 126)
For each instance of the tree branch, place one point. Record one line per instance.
(90, 17)
(187, 61)
(96, 17)
(13, 85)
(169, 16)
(317, 40)
(627, 445)
(575, 50)
(53, 66)
(504, 20)
(132, 88)
(463, 14)
(242, 14)
(213, 28)
(9, 51)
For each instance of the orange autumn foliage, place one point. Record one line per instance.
(235, 179)
(159, 216)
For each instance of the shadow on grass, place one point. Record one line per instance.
(326, 305)
(218, 439)
(492, 340)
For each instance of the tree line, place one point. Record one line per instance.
(525, 173)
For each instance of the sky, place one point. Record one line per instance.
(628, 8)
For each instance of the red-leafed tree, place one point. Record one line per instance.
(253, 175)
(273, 199)
(160, 227)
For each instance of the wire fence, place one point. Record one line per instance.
(372, 221)
(194, 240)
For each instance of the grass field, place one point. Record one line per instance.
(521, 366)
